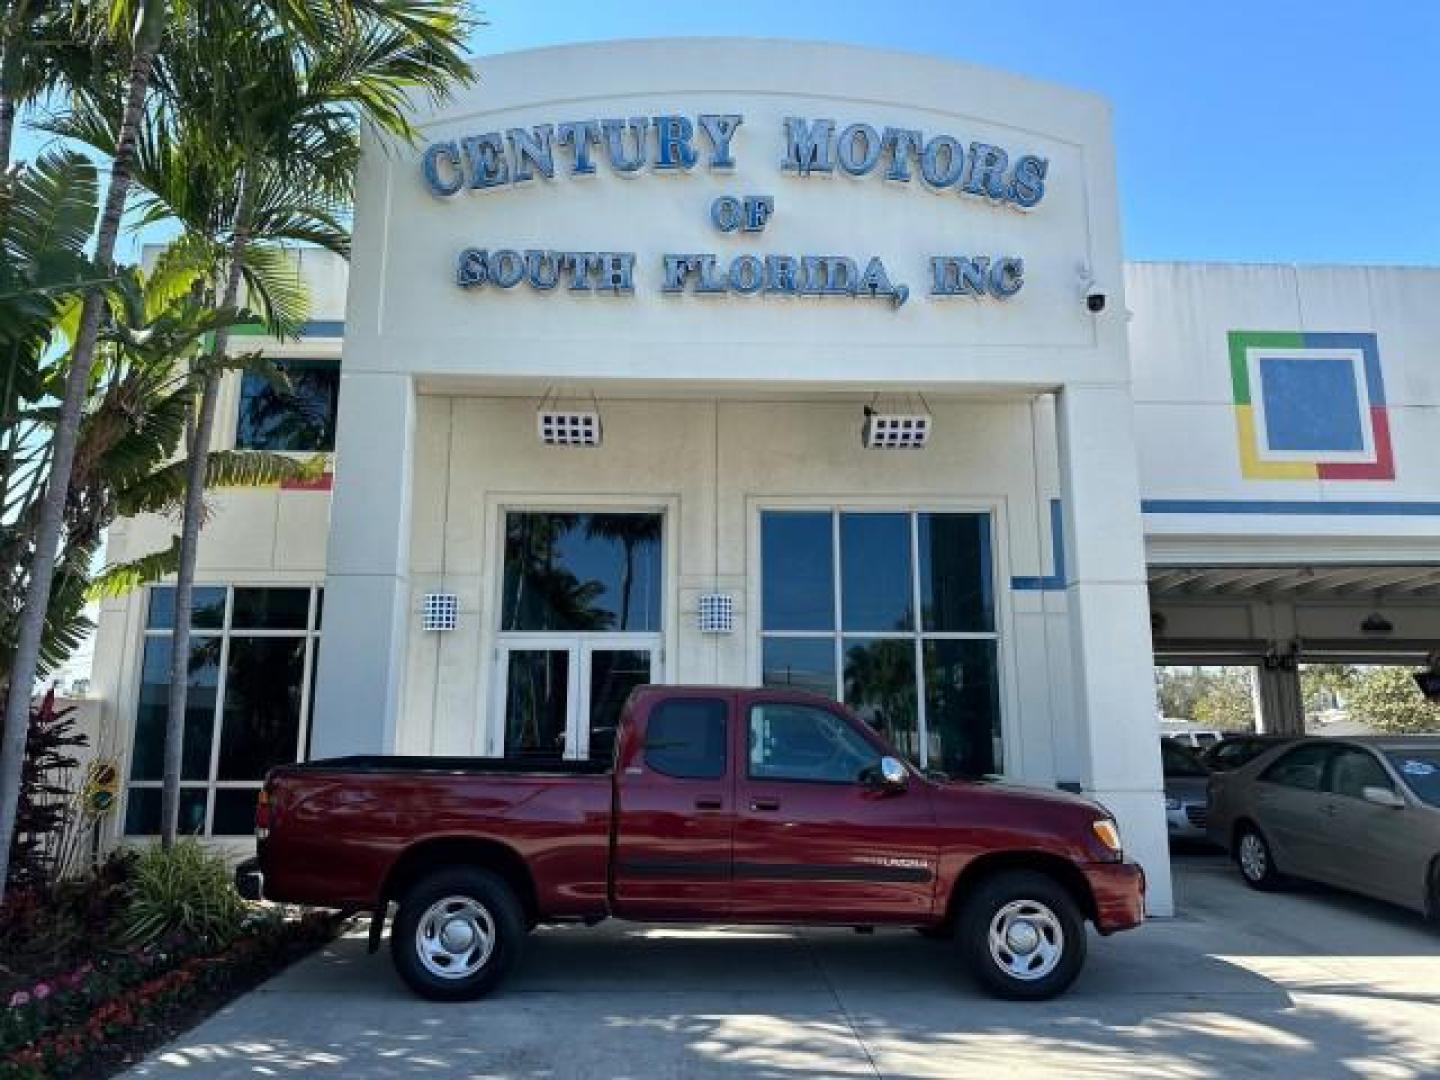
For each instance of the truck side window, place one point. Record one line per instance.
(804, 742)
(685, 738)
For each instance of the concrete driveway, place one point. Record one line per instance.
(1301, 985)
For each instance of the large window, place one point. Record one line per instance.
(301, 418)
(581, 573)
(251, 677)
(893, 613)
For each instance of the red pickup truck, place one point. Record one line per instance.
(721, 805)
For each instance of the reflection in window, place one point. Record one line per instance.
(236, 728)
(880, 687)
(613, 674)
(931, 689)
(579, 573)
(962, 706)
(537, 702)
(685, 738)
(799, 664)
(300, 419)
(877, 591)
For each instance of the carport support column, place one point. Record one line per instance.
(1109, 611)
(1282, 701)
(367, 584)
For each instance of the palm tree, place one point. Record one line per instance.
(633, 532)
(133, 32)
(261, 152)
(40, 55)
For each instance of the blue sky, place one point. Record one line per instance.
(1261, 131)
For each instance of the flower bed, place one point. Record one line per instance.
(97, 1018)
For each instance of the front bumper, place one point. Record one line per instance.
(249, 881)
(1119, 892)
(1188, 821)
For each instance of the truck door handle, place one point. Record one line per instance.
(764, 804)
(707, 804)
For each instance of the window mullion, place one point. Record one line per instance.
(917, 623)
(835, 598)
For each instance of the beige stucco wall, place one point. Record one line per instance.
(710, 465)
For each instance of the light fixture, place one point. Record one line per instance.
(560, 426)
(440, 611)
(716, 613)
(896, 429)
(1377, 625)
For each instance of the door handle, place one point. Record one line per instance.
(764, 804)
(707, 804)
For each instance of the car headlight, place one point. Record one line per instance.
(1172, 804)
(1108, 833)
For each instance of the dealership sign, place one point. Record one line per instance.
(674, 144)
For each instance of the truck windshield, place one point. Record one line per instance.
(1419, 767)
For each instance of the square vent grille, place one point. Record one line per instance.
(717, 613)
(896, 431)
(577, 427)
(440, 611)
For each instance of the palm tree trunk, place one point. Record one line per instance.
(196, 464)
(67, 434)
(9, 71)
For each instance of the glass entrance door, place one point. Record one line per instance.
(561, 697)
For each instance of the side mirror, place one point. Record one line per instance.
(887, 774)
(1382, 796)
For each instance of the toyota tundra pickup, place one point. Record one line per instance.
(718, 805)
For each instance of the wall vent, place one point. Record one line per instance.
(440, 611)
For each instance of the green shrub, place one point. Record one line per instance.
(184, 892)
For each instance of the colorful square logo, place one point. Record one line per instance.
(1309, 406)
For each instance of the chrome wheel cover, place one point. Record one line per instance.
(455, 937)
(1026, 940)
(1254, 861)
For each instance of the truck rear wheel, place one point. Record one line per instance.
(457, 934)
(1023, 935)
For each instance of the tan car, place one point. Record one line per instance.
(1362, 814)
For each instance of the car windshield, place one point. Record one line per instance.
(1178, 761)
(1420, 769)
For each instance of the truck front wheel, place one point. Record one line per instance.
(1023, 935)
(458, 932)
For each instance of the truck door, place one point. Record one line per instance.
(675, 809)
(814, 841)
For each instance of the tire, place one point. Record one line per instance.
(1022, 908)
(485, 926)
(1255, 860)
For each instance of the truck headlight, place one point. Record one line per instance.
(1108, 833)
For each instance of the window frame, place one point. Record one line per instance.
(310, 634)
(840, 718)
(1009, 758)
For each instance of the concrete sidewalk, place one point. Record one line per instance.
(1304, 984)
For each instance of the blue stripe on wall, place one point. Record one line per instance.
(1056, 581)
(1315, 507)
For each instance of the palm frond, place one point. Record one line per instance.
(120, 578)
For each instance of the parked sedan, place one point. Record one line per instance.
(1186, 798)
(1235, 750)
(1362, 814)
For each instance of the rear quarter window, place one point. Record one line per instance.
(686, 738)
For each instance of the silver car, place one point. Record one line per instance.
(1362, 814)
(1186, 798)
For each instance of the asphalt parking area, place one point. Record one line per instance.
(1303, 984)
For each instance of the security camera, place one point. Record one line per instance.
(1095, 301)
(1094, 298)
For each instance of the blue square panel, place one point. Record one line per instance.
(1311, 404)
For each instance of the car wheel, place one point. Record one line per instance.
(1022, 935)
(1257, 864)
(457, 934)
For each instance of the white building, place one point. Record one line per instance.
(714, 260)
